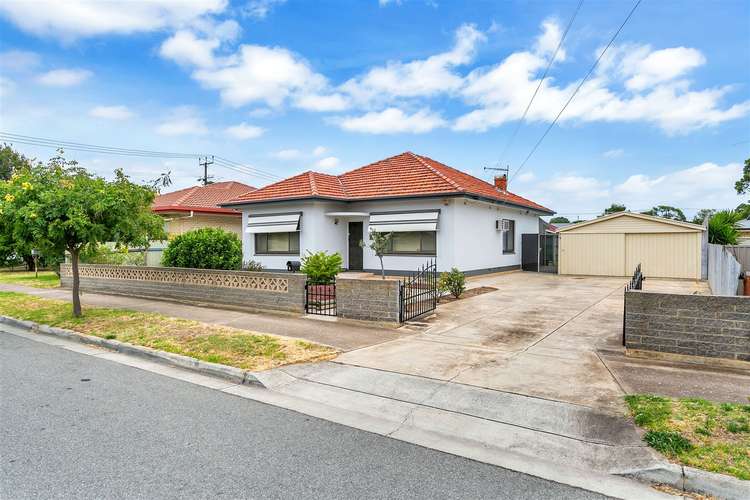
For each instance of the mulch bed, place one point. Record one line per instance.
(468, 294)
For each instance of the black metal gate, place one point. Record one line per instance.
(530, 252)
(539, 252)
(636, 283)
(419, 292)
(320, 298)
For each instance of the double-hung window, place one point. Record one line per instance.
(413, 242)
(277, 243)
(509, 237)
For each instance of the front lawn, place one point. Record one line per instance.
(46, 279)
(228, 346)
(695, 432)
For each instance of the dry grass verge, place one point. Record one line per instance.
(215, 344)
(46, 279)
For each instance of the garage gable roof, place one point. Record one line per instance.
(685, 226)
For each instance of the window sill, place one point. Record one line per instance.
(509, 253)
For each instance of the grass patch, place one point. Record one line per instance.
(696, 432)
(46, 279)
(216, 344)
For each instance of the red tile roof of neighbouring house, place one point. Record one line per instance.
(406, 175)
(202, 198)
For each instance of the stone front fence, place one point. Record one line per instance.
(706, 326)
(273, 291)
(369, 300)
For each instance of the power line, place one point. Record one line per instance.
(541, 81)
(591, 70)
(118, 151)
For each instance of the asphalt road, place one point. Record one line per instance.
(74, 426)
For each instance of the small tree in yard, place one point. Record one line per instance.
(61, 207)
(379, 243)
(204, 248)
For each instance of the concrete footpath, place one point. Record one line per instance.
(344, 336)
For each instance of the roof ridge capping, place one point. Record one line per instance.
(421, 160)
(654, 218)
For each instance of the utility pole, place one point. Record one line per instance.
(205, 162)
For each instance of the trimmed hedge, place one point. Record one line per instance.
(205, 248)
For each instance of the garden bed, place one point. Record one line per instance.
(224, 345)
(472, 292)
(695, 432)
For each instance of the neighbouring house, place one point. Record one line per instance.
(613, 245)
(744, 228)
(432, 210)
(200, 206)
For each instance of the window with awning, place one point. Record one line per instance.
(401, 222)
(273, 223)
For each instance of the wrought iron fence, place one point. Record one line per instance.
(419, 292)
(320, 298)
(636, 283)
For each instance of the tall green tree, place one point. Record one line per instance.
(702, 215)
(743, 185)
(667, 212)
(559, 220)
(614, 208)
(11, 161)
(61, 207)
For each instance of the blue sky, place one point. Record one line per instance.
(287, 86)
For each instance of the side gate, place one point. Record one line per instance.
(320, 298)
(419, 292)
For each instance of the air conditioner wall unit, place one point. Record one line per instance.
(502, 225)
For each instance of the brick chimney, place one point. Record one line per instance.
(501, 182)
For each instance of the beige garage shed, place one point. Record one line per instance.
(615, 244)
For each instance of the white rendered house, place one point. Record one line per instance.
(433, 212)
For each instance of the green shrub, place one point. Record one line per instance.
(453, 282)
(321, 267)
(205, 248)
(104, 254)
(669, 443)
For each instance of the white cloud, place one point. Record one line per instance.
(319, 150)
(655, 91)
(111, 112)
(18, 60)
(287, 154)
(187, 49)
(261, 8)
(393, 121)
(707, 185)
(317, 102)
(328, 162)
(64, 77)
(548, 41)
(244, 131)
(268, 75)
(526, 177)
(80, 18)
(613, 153)
(423, 77)
(183, 121)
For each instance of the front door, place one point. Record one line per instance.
(355, 251)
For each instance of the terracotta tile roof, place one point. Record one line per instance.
(404, 175)
(201, 198)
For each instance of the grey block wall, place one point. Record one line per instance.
(696, 325)
(369, 300)
(184, 285)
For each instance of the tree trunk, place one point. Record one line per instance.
(382, 269)
(76, 285)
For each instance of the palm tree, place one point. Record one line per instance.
(722, 227)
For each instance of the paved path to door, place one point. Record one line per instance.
(341, 335)
(539, 335)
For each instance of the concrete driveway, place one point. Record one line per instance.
(537, 335)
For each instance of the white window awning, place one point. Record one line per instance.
(273, 223)
(404, 221)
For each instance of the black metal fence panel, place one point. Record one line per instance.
(419, 292)
(320, 298)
